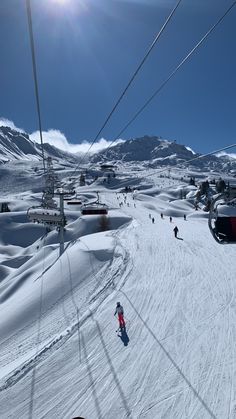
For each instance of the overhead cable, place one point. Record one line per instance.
(172, 74)
(199, 43)
(31, 35)
(135, 74)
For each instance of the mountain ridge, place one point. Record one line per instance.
(152, 151)
(17, 145)
(155, 151)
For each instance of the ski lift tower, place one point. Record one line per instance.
(48, 213)
(61, 194)
(51, 217)
(51, 179)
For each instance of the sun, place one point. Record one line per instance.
(65, 8)
(61, 2)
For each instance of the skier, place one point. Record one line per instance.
(153, 220)
(184, 217)
(170, 219)
(120, 312)
(175, 230)
(161, 215)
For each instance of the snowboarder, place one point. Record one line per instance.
(120, 312)
(175, 230)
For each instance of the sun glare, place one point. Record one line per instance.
(72, 5)
(61, 1)
(64, 3)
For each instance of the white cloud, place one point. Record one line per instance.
(223, 153)
(59, 140)
(4, 122)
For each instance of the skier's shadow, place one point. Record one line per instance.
(124, 337)
(179, 238)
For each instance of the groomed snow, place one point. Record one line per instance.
(60, 354)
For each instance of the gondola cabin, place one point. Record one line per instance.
(94, 209)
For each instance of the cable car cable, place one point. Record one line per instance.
(137, 70)
(31, 35)
(199, 43)
(172, 74)
(132, 79)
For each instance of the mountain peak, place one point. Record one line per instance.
(155, 151)
(16, 145)
(146, 148)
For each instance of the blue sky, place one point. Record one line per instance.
(88, 49)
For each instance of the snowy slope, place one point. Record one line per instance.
(60, 354)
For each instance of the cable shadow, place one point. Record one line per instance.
(75, 305)
(122, 396)
(171, 359)
(33, 380)
(81, 343)
(95, 396)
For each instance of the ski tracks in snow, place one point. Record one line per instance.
(179, 300)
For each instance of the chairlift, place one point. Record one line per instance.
(4, 207)
(70, 195)
(74, 202)
(222, 217)
(94, 209)
(52, 217)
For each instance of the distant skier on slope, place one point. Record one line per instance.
(120, 312)
(175, 230)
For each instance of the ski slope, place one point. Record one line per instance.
(60, 354)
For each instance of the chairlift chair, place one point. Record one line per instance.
(94, 209)
(46, 216)
(70, 195)
(74, 202)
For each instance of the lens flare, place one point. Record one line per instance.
(73, 5)
(61, 1)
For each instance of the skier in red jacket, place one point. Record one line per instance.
(120, 312)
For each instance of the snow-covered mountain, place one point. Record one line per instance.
(16, 145)
(146, 149)
(155, 151)
(152, 151)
